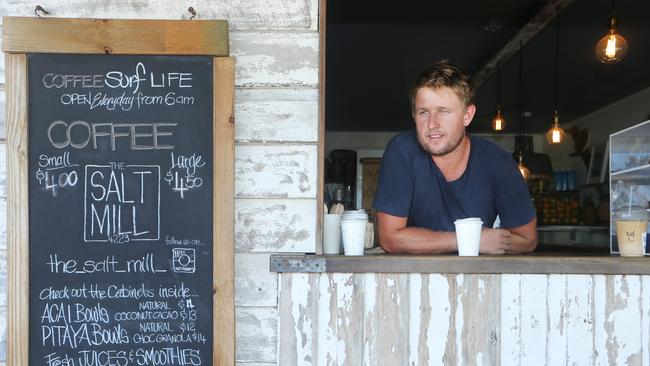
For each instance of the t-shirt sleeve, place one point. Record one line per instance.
(395, 185)
(513, 202)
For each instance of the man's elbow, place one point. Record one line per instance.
(389, 244)
(390, 248)
(529, 233)
(530, 246)
(533, 245)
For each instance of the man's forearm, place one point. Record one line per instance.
(520, 244)
(523, 238)
(418, 240)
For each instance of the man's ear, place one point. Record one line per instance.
(469, 114)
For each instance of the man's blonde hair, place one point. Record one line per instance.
(444, 74)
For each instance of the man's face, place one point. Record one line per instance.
(440, 119)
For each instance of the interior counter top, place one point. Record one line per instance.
(540, 262)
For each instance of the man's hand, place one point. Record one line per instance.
(495, 241)
(521, 239)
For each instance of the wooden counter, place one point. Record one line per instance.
(534, 263)
(538, 309)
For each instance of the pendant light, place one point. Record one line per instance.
(522, 168)
(498, 123)
(612, 47)
(555, 134)
(522, 117)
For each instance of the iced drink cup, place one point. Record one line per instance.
(631, 224)
(629, 234)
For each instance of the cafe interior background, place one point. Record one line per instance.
(526, 65)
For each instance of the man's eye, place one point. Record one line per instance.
(424, 113)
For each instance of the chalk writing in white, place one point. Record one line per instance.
(80, 134)
(122, 203)
(182, 174)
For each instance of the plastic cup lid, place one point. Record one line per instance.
(469, 220)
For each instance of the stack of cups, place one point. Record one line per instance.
(353, 231)
(468, 235)
(332, 234)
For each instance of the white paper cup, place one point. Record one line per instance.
(332, 234)
(356, 215)
(354, 236)
(468, 236)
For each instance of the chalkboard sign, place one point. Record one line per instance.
(120, 179)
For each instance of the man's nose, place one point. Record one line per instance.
(433, 123)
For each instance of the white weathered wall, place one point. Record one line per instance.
(275, 46)
(434, 319)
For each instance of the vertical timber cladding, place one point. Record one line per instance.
(120, 209)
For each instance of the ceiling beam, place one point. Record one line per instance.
(523, 36)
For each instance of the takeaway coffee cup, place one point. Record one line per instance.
(631, 225)
(353, 231)
(355, 215)
(468, 235)
(332, 234)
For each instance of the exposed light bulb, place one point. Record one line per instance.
(612, 47)
(522, 168)
(555, 134)
(498, 123)
(610, 50)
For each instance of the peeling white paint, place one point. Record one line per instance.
(582, 312)
(533, 318)
(255, 285)
(275, 59)
(580, 347)
(459, 320)
(275, 225)
(326, 342)
(256, 332)
(510, 324)
(300, 293)
(370, 301)
(556, 338)
(440, 321)
(623, 326)
(286, 171)
(478, 361)
(414, 313)
(600, 319)
(276, 115)
(482, 290)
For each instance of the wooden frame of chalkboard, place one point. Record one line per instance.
(156, 41)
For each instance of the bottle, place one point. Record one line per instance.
(347, 198)
(338, 205)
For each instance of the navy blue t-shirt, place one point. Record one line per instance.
(411, 185)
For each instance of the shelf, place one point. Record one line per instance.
(539, 177)
(573, 228)
(559, 193)
(631, 170)
(586, 185)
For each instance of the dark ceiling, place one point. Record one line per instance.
(375, 49)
